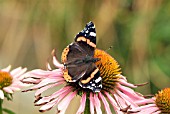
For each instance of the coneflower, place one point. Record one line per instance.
(160, 103)
(97, 79)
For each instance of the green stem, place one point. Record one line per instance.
(87, 107)
(1, 101)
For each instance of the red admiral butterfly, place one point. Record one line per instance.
(79, 61)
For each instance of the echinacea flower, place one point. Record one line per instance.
(10, 81)
(87, 72)
(116, 90)
(160, 103)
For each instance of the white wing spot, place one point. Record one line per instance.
(87, 31)
(92, 34)
(92, 84)
(100, 85)
(98, 79)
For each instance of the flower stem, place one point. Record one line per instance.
(1, 101)
(87, 107)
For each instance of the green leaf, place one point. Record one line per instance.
(8, 96)
(8, 111)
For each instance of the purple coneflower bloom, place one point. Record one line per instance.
(160, 103)
(10, 81)
(115, 88)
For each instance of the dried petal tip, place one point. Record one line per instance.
(142, 84)
(163, 100)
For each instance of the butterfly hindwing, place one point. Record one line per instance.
(93, 81)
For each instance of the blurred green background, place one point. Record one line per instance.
(138, 30)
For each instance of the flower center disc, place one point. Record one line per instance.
(109, 69)
(5, 79)
(163, 100)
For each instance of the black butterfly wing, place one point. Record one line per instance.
(85, 43)
(89, 32)
(92, 79)
(72, 57)
(87, 38)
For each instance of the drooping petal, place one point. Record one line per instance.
(125, 83)
(82, 104)
(44, 83)
(128, 100)
(91, 103)
(145, 109)
(112, 101)
(60, 94)
(157, 112)
(62, 106)
(56, 63)
(97, 104)
(48, 106)
(149, 110)
(130, 92)
(41, 90)
(120, 102)
(145, 101)
(106, 104)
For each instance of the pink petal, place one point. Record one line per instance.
(18, 73)
(15, 71)
(97, 104)
(8, 90)
(149, 110)
(31, 81)
(48, 106)
(51, 103)
(91, 103)
(44, 83)
(48, 67)
(56, 63)
(106, 105)
(144, 109)
(127, 99)
(125, 83)
(60, 93)
(145, 101)
(41, 90)
(112, 101)
(158, 112)
(82, 104)
(7, 69)
(60, 97)
(130, 92)
(62, 106)
(120, 102)
(43, 73)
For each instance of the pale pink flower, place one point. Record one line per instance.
(119, 94)
(160, 103)
(10, 81)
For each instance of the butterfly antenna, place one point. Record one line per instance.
(108, 48)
